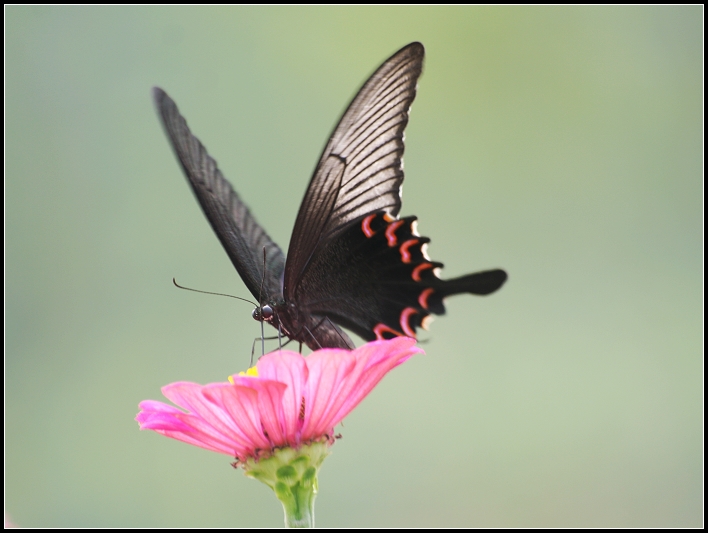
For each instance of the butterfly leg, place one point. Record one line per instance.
(335, 328)
(310, 332)
(262, 343)
(319, 346)
(253, 347)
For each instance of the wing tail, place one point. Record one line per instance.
(480, 283)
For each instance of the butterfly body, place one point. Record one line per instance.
(351, 260)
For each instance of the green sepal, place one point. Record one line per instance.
(292, 474)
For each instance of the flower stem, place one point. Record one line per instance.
(292, 474)
(298, 504)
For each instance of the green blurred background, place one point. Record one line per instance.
(562, 144)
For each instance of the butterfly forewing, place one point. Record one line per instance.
(316, 207)
(241, 236)
(368, 141)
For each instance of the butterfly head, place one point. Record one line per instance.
(263, 312)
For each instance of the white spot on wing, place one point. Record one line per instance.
(424, 251)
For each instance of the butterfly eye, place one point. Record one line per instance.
(266, 312)
(257, 314)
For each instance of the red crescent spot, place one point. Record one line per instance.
(417, 270)
(405, 254)
(380, 329)
(391, 232)
(366, 226)
(405, 326)
(388, 218)
(423, 298)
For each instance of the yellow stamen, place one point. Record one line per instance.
(251, 372)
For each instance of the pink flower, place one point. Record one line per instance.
(293, 400)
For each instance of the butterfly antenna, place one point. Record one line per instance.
(207, 292)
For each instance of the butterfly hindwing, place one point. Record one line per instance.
(377, 280)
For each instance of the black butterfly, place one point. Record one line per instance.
(351, 260)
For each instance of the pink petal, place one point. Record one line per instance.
(289, 368)
(329, 370)
(202, 435)
(250, 407)
(172, 422)
(373, 362)
(190, 396)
